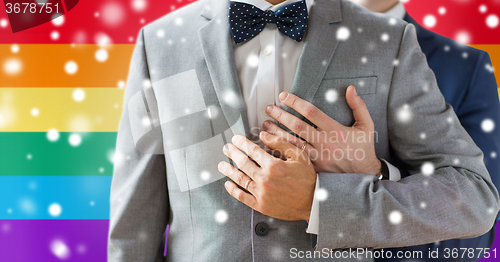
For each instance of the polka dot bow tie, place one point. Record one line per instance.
(247, 20)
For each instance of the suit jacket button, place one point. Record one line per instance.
(261, 229)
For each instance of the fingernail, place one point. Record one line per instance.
(267, 124)
(225, 148)
(264, 133)
(221, 165)
(236, 138)
(283, 96)
(269, 109)
(354, 90)
(227, 184)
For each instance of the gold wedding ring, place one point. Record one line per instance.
(303, 146)
(247, 183)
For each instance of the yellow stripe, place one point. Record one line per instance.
(99, 111)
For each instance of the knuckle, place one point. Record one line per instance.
(238, 195)
(293, 100)
(239, 179)
(241, 162)
(310, 111)
(274, 129)
(362, 103)
(278, 114)
(252, 149)
(278, 139)
(241, 142)
(298, 125)
(279, 133)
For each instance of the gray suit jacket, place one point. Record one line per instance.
(183, 103)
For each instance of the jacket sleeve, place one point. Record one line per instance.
(139, 200)
(449, 193)
(480, 105)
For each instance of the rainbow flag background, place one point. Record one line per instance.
(61, 92)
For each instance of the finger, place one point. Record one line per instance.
(290, 151)
(296, 125)
(241, 195)
(309, 111)
(237, 176)
(274, 129)
(251, 149)
(241, 160)
(360, 113)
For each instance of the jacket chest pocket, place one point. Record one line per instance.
(330, 96)
(187, 126)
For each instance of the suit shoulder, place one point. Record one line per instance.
(373, 25)
(455, 46)
(185, 16)
(357, 14)
(447, 50)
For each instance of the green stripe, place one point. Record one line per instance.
(57, 158)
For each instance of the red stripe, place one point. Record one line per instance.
(91, 19)
(82, 26)
(460, 16)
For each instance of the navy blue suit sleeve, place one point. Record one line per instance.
(481, 103)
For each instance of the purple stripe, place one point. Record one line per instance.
(53, 240)
(76, 240)
(495, 247)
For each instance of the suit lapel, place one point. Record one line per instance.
(217, 46)
(320, 44)
(425, 37)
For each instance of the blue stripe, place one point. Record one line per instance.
(29, 197)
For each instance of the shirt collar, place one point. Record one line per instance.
(398, 11)
(264, 5)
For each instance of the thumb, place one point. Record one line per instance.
(362, 118)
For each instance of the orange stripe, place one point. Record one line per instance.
(43, 65)
(494, 52)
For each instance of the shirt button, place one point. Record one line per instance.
(261, 229)
(268, 50)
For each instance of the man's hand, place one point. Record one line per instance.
(282, 189)
(332, 147)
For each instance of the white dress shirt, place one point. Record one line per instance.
(266, 66)
(398, 11)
